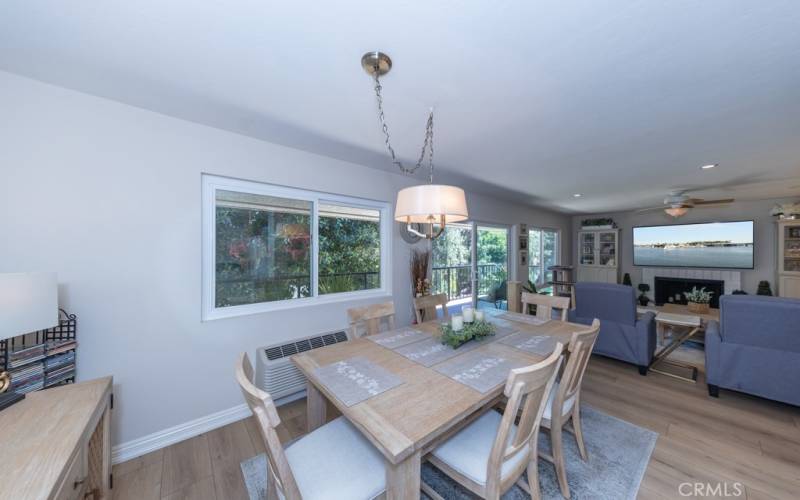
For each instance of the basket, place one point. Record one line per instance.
(698, 308)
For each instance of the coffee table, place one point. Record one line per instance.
(690, 325)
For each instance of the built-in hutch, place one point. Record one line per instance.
(598, 255)
(789, 258)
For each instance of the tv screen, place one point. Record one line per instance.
(714, 244)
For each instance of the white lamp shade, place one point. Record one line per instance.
(28, 302)
(418, 203)
(676, 211)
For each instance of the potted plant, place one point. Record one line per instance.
(698, 300)
(643, 298)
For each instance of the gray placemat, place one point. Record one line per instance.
(356, 379)
(398, 338)
(523, 318)
(479, 370)
(432, 351)
(528, 342)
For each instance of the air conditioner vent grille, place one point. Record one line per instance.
(284, 350)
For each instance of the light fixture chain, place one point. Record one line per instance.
(427, 145)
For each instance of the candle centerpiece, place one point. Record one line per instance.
(459, 332)
(468, 313)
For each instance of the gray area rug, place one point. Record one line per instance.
(618, 456)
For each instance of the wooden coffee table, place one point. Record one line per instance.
(677, 317)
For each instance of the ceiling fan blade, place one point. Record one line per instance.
(700, 202)
(650, 209)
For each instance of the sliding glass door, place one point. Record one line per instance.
(470, 264)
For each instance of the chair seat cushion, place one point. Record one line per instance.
(468, 451)
(335, 462)
(548, 410)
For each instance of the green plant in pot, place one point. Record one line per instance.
(698, 300)
(643, 298)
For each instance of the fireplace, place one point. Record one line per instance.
(671, 290)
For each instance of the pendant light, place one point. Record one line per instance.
(430, 204)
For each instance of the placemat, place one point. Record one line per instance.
(479, 370)
(536, 344)
(523, 318)
(356, 379)
(398, 338)
(431, 351)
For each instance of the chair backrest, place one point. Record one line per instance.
(368, 319)
(606, 301)
(425, 307)
(545, 305)
(757, 320)
(579, 352)
(266, 414)
(526, 389)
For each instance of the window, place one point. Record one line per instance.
(542, 253)
(260, 252)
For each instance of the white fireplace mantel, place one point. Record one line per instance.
(732, 279)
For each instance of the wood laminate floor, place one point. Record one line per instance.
(736, 439)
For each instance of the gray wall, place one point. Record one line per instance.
(765, 235)
(108, 196)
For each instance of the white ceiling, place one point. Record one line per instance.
(618, 100)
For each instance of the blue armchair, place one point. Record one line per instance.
(756, 348)
(622, 336)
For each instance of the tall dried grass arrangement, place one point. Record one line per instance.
(419, 271)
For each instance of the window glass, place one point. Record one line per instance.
(349, 248)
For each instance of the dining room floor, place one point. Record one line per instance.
(734, 439)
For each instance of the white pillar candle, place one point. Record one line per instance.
(469, 314)
(478, 315)
(457, 322)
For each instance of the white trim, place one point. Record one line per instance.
(211, 183)
(181, 432)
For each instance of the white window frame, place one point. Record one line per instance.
(540, 251)
(212, 183)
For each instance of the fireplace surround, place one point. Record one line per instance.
(667, 288)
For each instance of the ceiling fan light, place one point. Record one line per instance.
(676, 211)
(428, 202)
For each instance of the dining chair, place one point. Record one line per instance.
(564, 402)
(545, 305)
(489, 455)
(425, 307)
(367, 320)
(303, 470)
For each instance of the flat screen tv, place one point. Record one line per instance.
(726, 245)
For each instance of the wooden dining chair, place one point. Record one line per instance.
(425, 307)
(545, 305)
(489, 455)
(303, 471)
(564, 402)
(367, 320)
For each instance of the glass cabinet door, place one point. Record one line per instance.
(587, 249)
(791, 249)
(607, 249)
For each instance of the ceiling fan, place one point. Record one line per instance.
(678, 203)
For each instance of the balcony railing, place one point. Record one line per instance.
(456, 283)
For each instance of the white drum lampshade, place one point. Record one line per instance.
(28, 303)
(428, 202)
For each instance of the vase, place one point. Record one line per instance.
(698, 308)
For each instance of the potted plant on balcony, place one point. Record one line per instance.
(698, 300)
(643, 298)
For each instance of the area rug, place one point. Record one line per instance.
(618, 456)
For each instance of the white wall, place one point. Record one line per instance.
(108, 196)
(764, 241)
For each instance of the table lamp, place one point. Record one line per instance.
(28, 303)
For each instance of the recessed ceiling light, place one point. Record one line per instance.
(577, 195)
(709, 166)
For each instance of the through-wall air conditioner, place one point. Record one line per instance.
(275, 372)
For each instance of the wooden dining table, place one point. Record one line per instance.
(409, 420)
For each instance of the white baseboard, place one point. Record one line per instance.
(161, 439)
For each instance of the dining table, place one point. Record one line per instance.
(423, 406)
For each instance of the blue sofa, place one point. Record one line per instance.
(622, 336)
(756, 348)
